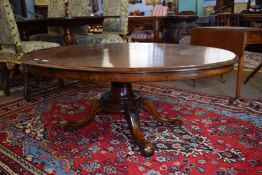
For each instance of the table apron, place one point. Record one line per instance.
(127, 76)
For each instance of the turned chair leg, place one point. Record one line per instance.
(5, 78)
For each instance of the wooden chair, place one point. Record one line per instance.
(11, 48)
(151, 31)
(58, 8)
(115, 30)
(231, 40)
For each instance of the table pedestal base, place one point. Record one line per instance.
(121, 98)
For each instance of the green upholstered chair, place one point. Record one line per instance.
(11, 48)
(115, 30)
(57, 8)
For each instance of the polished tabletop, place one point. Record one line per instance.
(131, 57)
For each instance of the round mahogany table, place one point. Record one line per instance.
(122, 65)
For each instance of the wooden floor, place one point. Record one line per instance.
(212, 85)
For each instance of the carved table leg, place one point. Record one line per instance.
(71, 125)
(121, 98)
(148, 105)
(132, 119)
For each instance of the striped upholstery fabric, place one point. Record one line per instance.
(160, 11)
(145, 34)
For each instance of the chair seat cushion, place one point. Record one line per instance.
(8, 53)
(160, 11)
(98, 38)
(29, 46)
(142, 34)
(54, 38)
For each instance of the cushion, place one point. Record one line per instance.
(98, 38)
(55, 38)
(29, 46)
(8, 54)
(160, 11)
(142, 34)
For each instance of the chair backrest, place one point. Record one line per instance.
(78, 8)
(219, 37)
(116, 8)
(57, 8)
(9, 34)
(160, 11)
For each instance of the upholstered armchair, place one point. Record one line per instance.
(148, 35)
(11, 48)
(58, 8)
(114, 29)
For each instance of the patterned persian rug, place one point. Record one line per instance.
(219, 135)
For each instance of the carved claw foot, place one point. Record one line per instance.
(148, 105)
(147, 150)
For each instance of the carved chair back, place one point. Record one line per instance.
(116, 8)
(71, 8)
(10, 43)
